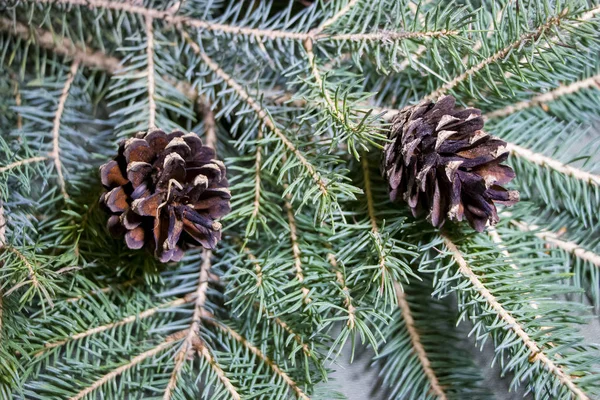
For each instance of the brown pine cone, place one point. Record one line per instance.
(165, 192)
(438, 159)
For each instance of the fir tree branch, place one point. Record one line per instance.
(55, 153)
(385, 36)
(260, 112)
(168, 342)
(17, 164)
(208, 116)
(495, 236)
(335, 17)
(552, 164)
(168, 17)
(2, 243)
(541, 99)
(193, 336)
(151, 84)
(500, 54)
(373, 218)
(63, 46)
(289, 330)
(295, 247)
(554, 239)
(536, 352)
(257, 179)
(205, 352)
(351, 323)
(32, 274)
(127, 320)
(415, 339)
(256, 351)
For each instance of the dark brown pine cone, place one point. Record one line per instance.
(165, 192)
(439, 160)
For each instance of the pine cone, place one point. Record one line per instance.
(439, 160)
(165, 192)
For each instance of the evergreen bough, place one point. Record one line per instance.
(297, 98)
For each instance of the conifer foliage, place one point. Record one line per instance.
(298, 99)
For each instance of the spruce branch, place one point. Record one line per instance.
(542, 99)
(258, 353)
(192, 338)
(19, 163)
(295, 247)
(169, 341)
(62, 46)
(554, 239)
(536, 353)
(150, 73)
(500, 54)
(415, 339)
(127, 320)
(374, 226)
(351, 322)
(55, 153)
(205, 352)
(552, 164)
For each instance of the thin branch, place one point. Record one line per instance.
(417, 345)
(555, 20)
(32, 274)
(495, 236)
(2, 243)
(127, 320)
(257, 179)
(295, 248)
(372, 217)
(151, 83)
(389, 36)
(17, 94)
(193, 336)
(256, 351)
(260, 112)
(550, 163)
(63, 46)
(554, 238)
(541, 99)
(348, 300)
(334, 18)
(208, 116)
(168, 342)
(169, 18)
(512, 323)
(220, 373)
(55, 153)
(17, 164)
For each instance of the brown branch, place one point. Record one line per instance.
(55, 153)
(512, 323)
(168, 342)
(32, 275)
(555, 20)
(256, 351)
(372, 217)
(127, 320)
(541, 99)
(17, 164)
(260, 112)
(348, 301)
(150, 73)
(547, 162)
(17, 94)
(295, 248)
(257, 179)
(192, 338)
(62, 46)
(417, 345)
(219, 372)
(210, 125)
(388, 36)
(554, 239)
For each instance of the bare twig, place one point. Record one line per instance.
(17, 164)
(351, 323)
